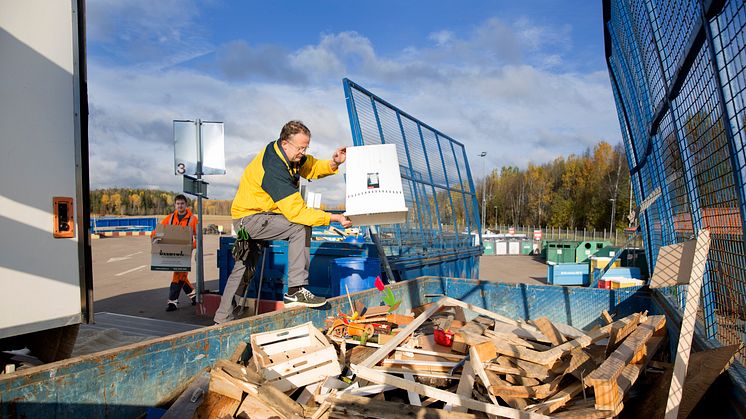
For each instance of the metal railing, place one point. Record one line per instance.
(617, 238)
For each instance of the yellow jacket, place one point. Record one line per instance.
(270, 184)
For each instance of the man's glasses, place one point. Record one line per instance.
(302, 150)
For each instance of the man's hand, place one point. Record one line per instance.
(346, 223)
(339, 157)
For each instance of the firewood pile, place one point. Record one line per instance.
(432, 362)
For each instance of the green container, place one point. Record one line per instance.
(489, 247)
(527, 246)
(544, 244)
(586, 249)
(561, 251)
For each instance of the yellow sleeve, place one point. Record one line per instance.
(295, 210)
(316, 169)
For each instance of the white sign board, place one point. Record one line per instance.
(187, 147)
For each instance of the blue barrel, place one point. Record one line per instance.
(357, 273)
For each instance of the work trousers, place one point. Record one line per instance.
(179, 281)
(269, 226)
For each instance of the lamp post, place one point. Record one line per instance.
(495, 217)
(613, 210)
(484, 187)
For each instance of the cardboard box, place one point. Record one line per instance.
(174, 251)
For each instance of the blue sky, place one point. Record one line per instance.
(525, 81)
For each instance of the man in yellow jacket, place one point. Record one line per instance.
(269, 206)
(182, 216)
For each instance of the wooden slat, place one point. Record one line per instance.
(688, 321)
(386, 349)
(607, 317)
(465, 387)
(619, 332)
(477, 365)
(514, 402)
(446, 396)
(558, 400)
(184, 407)
(347, 406)
(550, 331)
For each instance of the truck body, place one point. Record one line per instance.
(45, 263)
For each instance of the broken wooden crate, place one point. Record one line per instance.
(294, 357)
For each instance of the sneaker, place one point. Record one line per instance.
(171, 306)
(303, 298)
(193, 296)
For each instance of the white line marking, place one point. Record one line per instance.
(131, 270)
(121, 258)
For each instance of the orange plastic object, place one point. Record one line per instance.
(64, 217)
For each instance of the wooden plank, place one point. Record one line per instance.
(536, 392)
(189, 400)
(705, 367)
(386, 349)
(604, 378)
(581, 364)
(465, 387)
(223, 383)
(253, 408)
(420, 365)
(619, 332)
(479, 310)
(238, 352)
(419, 373)
(687, 324)
(607, 317)
(558, 400)
(457, 357)
(520, 332)
(514, 402)
(217, 406)
(547, 329)
(446, 396)
(515, 340)
(414, 398)
(518, 380)
(477, 364)
(347, 406)
(308, 393)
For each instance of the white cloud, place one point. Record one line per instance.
(495, 89)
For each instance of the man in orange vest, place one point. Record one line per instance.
(182, 216)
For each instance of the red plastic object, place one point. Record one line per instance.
(443, 337)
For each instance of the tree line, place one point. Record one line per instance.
(127, 201)
(579, 191)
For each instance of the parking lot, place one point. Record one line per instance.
(124, 284)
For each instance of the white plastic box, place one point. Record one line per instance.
(374, 194)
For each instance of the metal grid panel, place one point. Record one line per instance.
(438, 186)
(696, 153)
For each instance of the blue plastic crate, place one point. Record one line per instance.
(568, 274)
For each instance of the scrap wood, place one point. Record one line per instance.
(190, 399)
(346, 406)
(420, 365)
(557, 400)
(405, 350)
(519, 380)
(705, 367)
(618, 333)
(223, 383)
(611, 368)
(476, 354)
(607, 317)
(512, 338)
(252, 408)
(688, 321)
(615, 376)
(414, 398)
(514, 402)
(535, 392)
(465, 387)
(581, 363)
(549, 330)
(446, 396)
(386, 349)
(506, 365)
(419, 373)
(216, 406)
(479, 310)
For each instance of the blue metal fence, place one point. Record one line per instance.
(438, 186)
(677, 73)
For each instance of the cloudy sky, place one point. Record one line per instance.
(525, 81)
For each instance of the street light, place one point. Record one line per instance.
(495, 217)
(484, 187)
(613, 210)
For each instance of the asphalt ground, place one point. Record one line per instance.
(124, 284)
